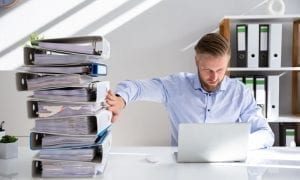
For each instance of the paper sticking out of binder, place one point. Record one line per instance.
(34, 81)
(92, 92)
(74, 125)
(44, 57)
(261, 94)
(87, 69)
(90, 45)
(53, 109)
(39, 140)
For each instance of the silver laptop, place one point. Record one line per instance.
(213, 142)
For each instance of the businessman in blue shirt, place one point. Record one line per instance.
(206, 97)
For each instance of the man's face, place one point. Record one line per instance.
(211, 70)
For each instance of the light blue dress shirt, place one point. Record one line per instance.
(187, 102)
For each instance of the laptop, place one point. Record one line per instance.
(213, 142)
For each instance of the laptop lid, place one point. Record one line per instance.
(213, 142)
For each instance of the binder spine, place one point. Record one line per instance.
(241, 30)
(253, 43)
(263, 45)
(275, 39)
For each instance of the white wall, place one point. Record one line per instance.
(147, 40)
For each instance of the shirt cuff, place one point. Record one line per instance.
(123, 96)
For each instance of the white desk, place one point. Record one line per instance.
(129, 163)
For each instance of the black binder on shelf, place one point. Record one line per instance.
(241, 33)
(263, 45)
(91, 45)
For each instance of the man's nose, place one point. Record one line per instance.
(214, 75)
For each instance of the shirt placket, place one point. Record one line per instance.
(208, 109)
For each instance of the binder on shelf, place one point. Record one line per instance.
(92, 69)
(241, 30)
(263, 45)
(39, 140)
(260, 94)
(35, 81)
(290, 137)
(249, 82)
(93, 92)
(275, 39)
(43, 57)
(253, 44)
(56, 109)
(273, 98)
(90, 45)
(75, 125)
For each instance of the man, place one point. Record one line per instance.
(206, 97)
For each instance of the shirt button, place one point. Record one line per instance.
(208, 110)
(209, 94)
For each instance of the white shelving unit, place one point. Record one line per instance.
(293, 66)
(263, 70)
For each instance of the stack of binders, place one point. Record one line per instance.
(72, 125)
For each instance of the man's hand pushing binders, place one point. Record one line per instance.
(116, 104)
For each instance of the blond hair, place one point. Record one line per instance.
(213, 44)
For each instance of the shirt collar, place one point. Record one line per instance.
(198, 85)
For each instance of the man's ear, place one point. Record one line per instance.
(196, 61)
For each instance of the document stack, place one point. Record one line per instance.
(72, 125)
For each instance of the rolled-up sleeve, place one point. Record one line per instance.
(142, 90)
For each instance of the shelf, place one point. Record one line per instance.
(287, 118)
(262, 70)
(257, 18)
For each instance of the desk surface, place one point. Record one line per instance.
(131, 163)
